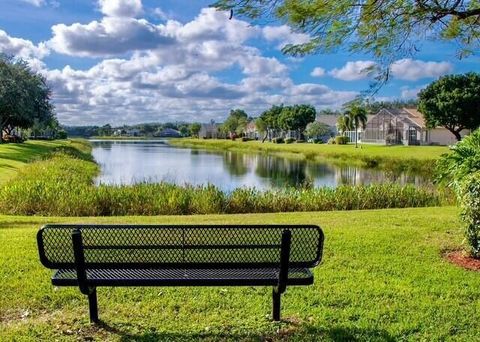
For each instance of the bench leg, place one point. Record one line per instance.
(276, 295)
(93, 306)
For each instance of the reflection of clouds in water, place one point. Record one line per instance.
(153, 162)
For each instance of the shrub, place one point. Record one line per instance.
(289, 140)
(331, 141)
(246, 139)
(460, 170)
(300, 141)
(470, 203)
(318, 141)
(278, 140)
(341, 140)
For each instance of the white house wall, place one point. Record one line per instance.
(442, 136)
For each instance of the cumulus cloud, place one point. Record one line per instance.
(167, 72)
(412, 70)
(354, 71)
(120, 8)
(284, 35)
(21, 47)
(318, 72)
(109, 37)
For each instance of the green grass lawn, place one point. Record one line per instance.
(401, 157)
(383, 278)
(15, 156)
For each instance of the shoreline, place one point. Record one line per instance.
(404, 158)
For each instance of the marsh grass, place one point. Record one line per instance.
(63, 186)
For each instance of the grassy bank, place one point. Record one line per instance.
(115, 137)
(13, 157)
(419, 159)
(63, 185)
(383, 279)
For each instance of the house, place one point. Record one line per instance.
(133, 132)
(169, 133)
(251, 131)
(330, 120)
(209, 131)
(404, 126)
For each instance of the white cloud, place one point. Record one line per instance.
(412, 70)
(318, 72)
(353, 71)
(109, 37)
(211, 24)
(410, 93)
(159, 13)
(121, 8)
(284, 35)
(167, 72)
(21, 47)
(36, 3)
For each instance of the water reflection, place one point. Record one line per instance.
(127, 162)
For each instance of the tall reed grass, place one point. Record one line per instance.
(63, 186)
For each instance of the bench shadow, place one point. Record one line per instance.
(299, 331)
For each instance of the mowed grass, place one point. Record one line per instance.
(398, 158)
(13, 157)
(383, 278)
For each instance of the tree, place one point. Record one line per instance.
(270, 118)
(453, 101)
(236, 122)
(194, 129)
(344, 124)
(184, 130)
(317, 129)
(357, 115)
(261, 126)
(387, 29)
(297, 117)
(24, 96)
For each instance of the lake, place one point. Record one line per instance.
(129, 162)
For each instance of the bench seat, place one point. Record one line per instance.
(186, 277)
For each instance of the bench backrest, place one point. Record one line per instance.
(187, 246)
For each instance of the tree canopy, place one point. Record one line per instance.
(24, 96)
(194, 129)
(387, 29)
(453, 101)
(297, 117)
(317, 129)
(236, 122)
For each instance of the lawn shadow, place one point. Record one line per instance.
(284, 332)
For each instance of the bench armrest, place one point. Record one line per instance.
(80, 262)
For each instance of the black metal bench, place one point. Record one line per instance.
(89, 256)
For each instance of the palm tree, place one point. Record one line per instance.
(344, 123)
(357, 115)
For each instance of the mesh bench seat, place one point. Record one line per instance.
(185, 277)
(91, 256)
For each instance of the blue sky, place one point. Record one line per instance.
(131, 61)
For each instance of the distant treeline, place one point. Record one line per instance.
(186, 129)
(144, 129)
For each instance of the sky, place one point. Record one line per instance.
(133, 61)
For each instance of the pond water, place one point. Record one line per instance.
(129, 162)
